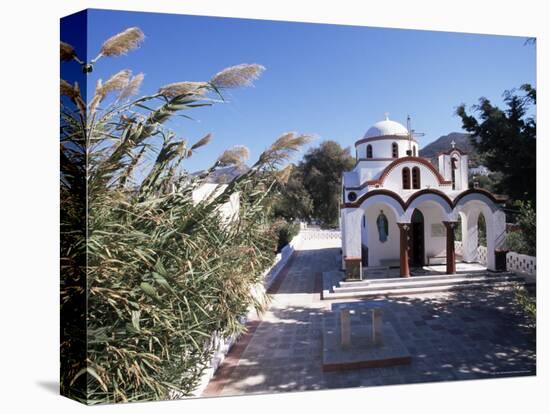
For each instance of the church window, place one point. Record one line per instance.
(394, 150)
(454, 162)
(369, 151)
(414, 150)
(406, 173)
(352, 196)
(416, 178)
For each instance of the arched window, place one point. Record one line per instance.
(416, 178)
(369, 151)
(394, 150)
(406, 173)
(414, 150)
(454, 162)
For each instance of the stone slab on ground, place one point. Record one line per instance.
(362, 351)
(330, 280)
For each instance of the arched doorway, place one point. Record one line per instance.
(416, 239)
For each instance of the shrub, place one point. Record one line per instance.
(285, 233)
(528, 303)
(524, 240)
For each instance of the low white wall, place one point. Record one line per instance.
(458, 248)
(482, 255)
(522, 263)
(515, 262)
(222, 345)
(317, 234)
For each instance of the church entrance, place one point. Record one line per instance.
(416, 240)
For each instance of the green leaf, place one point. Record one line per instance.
(151, 292)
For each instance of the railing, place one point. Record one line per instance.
(482, 255)
(522, 263)
(515, 262)
(318, 234)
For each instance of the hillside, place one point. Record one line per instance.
(443, 143)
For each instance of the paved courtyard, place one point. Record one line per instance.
(470, 334)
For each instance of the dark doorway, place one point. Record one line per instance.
(416, 240)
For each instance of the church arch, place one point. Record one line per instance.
(432, 197)
(389, 199)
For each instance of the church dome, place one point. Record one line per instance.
(385, 128)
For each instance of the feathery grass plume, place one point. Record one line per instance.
(202, 142)
(236, 76)
(73, 93)
(123, 42)
(117, 82)
(68, 90)
(283, 147)
(132, 88)
(236, 155)
(66, 52)
(184, 88)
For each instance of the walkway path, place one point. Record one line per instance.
(460, 335)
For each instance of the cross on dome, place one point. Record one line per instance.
(386, 116)
(453, 143)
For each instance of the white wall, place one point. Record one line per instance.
(378, 250)
(433, 246)
(371, 170)
(383, 148)
(229, 210)
(394, 180)
(461, 172)
(351, 236)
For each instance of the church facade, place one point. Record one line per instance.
(398, 209)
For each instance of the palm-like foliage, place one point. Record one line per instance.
(148, 275)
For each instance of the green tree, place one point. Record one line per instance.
(506, 139)
(525, 239)
(322, 169)
(293, 201)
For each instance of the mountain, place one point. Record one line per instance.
(224, 175)
(443, 143)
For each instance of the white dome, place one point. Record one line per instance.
(386, 127)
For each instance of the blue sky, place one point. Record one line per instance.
(329, 80)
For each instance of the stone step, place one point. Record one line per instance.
(420, 282)
(399, 280)
(419, 290)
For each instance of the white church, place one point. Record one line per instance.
(399, 210)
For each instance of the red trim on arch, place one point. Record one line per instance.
(449, 152)
(394, 164)
(419, 193)
(406, 204)
(494, 198)
(373, 193)
(419, 160)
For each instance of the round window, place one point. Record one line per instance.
(352, 196)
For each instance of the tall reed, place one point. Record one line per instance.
(149, 275)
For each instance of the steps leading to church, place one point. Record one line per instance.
(333, 288)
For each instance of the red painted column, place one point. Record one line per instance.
(451, 256)
(404, 249)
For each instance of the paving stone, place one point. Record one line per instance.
(458, 335)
